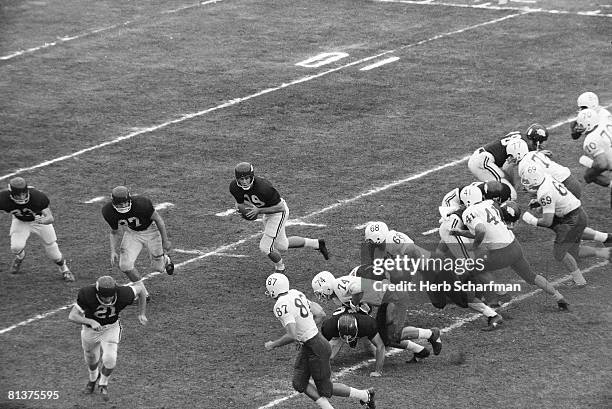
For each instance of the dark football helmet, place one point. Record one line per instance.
(347, 328)
(106, 290)
(245, 175)
(537, 133)
(510, 212)
(19, 191)
(497, 191)
(122, 201)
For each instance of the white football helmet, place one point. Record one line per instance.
(587, 100)
(470, 195)
(276, 284)
(587, 119)
(376, 232)
(323, 285)
(517, 150)
(532, 177)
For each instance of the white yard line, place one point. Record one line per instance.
(185, 117)
(64, 39)
(458, 324)
(489, 6)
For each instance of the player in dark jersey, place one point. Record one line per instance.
(255, 196)
(350, 327)
(30, 213)
(489, 161)
(143, 227)
(97, 309)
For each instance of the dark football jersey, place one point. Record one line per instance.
(25, 212)
(138, 218)
(261, 193)
(366, 327)
(87, 300)
(498, 148)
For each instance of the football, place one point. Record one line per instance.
(243, 209)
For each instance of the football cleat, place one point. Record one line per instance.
(370, 404)
(15, 266)
(494, 323)
(563, 305)
(104, 392)
(435, 342)
(323, 249)
(169, 266)
(68, 276)
(91, 385)
(419, 356)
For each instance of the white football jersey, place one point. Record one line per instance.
(294, 307)
(599, 141)
(396, 243)
(549, 166)
(459, 246)
(555, 198)
(603, 114)
(497, 234)
(346, 287)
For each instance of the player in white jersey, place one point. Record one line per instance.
(563, 213)
(597, 147)
(353, 291)
(299, 317)
(460, 248)
(588, 100)
(495, 244)
(537, 159)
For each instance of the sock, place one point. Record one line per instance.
(483, 309)
(280, 266)
(103, 380)
(93, 375)
(413, 346)
(360, 394)
(424, 333)
(601, 237)
(312, 243)
(324, 403)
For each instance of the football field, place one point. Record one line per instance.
(356, 111)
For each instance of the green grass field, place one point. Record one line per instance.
(166, 97)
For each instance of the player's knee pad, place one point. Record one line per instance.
(158, 263)
(17, 248)
(53, 252)
(92, 356)
(109, 355)
(125, 265)
(266, 244)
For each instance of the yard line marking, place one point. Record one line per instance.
(428, 232)
(235, 244)
(95, 200)
(236, 101)
(379, 63)
(457, 324)
(488, 6)
(228, 212)
(164, 205)
(63, 39)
